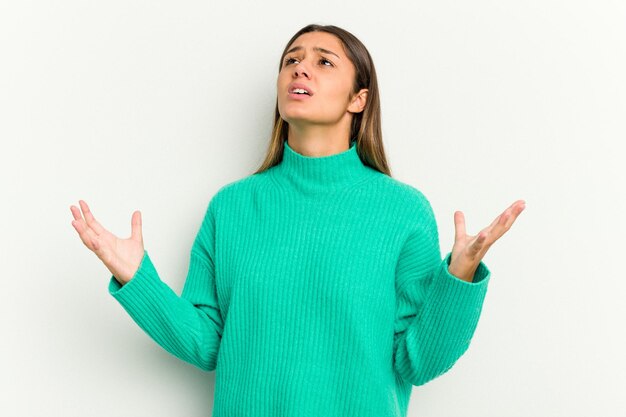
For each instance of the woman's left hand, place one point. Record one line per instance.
(468, 251)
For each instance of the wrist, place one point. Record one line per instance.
(464, 274)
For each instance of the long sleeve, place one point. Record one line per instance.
(436, 312)
(189, 326)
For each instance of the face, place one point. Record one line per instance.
(317, 61)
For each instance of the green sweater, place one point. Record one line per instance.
(315, 288)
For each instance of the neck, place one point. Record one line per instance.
(319, 139)
(320, 174)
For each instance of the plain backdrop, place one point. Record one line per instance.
(153, 105)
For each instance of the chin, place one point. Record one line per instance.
(295, 121)
(296, 115)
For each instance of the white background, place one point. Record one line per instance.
(153, 105)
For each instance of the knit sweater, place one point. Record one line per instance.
(315, 288)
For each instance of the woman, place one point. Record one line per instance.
(316, 285)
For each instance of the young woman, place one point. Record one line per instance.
(316, 285)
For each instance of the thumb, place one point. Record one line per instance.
(135, 227)
(459, 226)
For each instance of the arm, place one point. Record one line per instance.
(189, 326)
(436, 312)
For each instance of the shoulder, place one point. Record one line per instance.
(412, 197)
(419, 217)
(236, 190)
(408, 203)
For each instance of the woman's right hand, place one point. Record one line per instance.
(121, 256)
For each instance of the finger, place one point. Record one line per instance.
(495, 221)
(520, 205)
(501, 223)
(497, 228)
(509, 216)
(135, 226)
(87, 235)
(500, 220)
(76, 213)
(79, 218)
(479, 242)
(459, 226)
(91, 221)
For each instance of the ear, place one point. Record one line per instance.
(358, 102)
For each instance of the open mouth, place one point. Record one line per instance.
(297, 95)
(299, 90)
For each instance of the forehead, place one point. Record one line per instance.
(324, 40)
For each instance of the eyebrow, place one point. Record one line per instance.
(317, 48)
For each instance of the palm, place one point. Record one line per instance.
(121, 256)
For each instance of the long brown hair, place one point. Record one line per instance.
(366, 125)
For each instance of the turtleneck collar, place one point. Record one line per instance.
(318, 174)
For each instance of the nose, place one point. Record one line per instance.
(300, 69)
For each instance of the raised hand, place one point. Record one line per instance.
(121, 256)
(468, 251)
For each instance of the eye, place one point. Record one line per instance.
(288, 61)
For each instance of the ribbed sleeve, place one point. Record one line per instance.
(189, 326)
(437, 312)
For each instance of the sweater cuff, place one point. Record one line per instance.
(466, 295)
(482, 272)
(144, 279)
